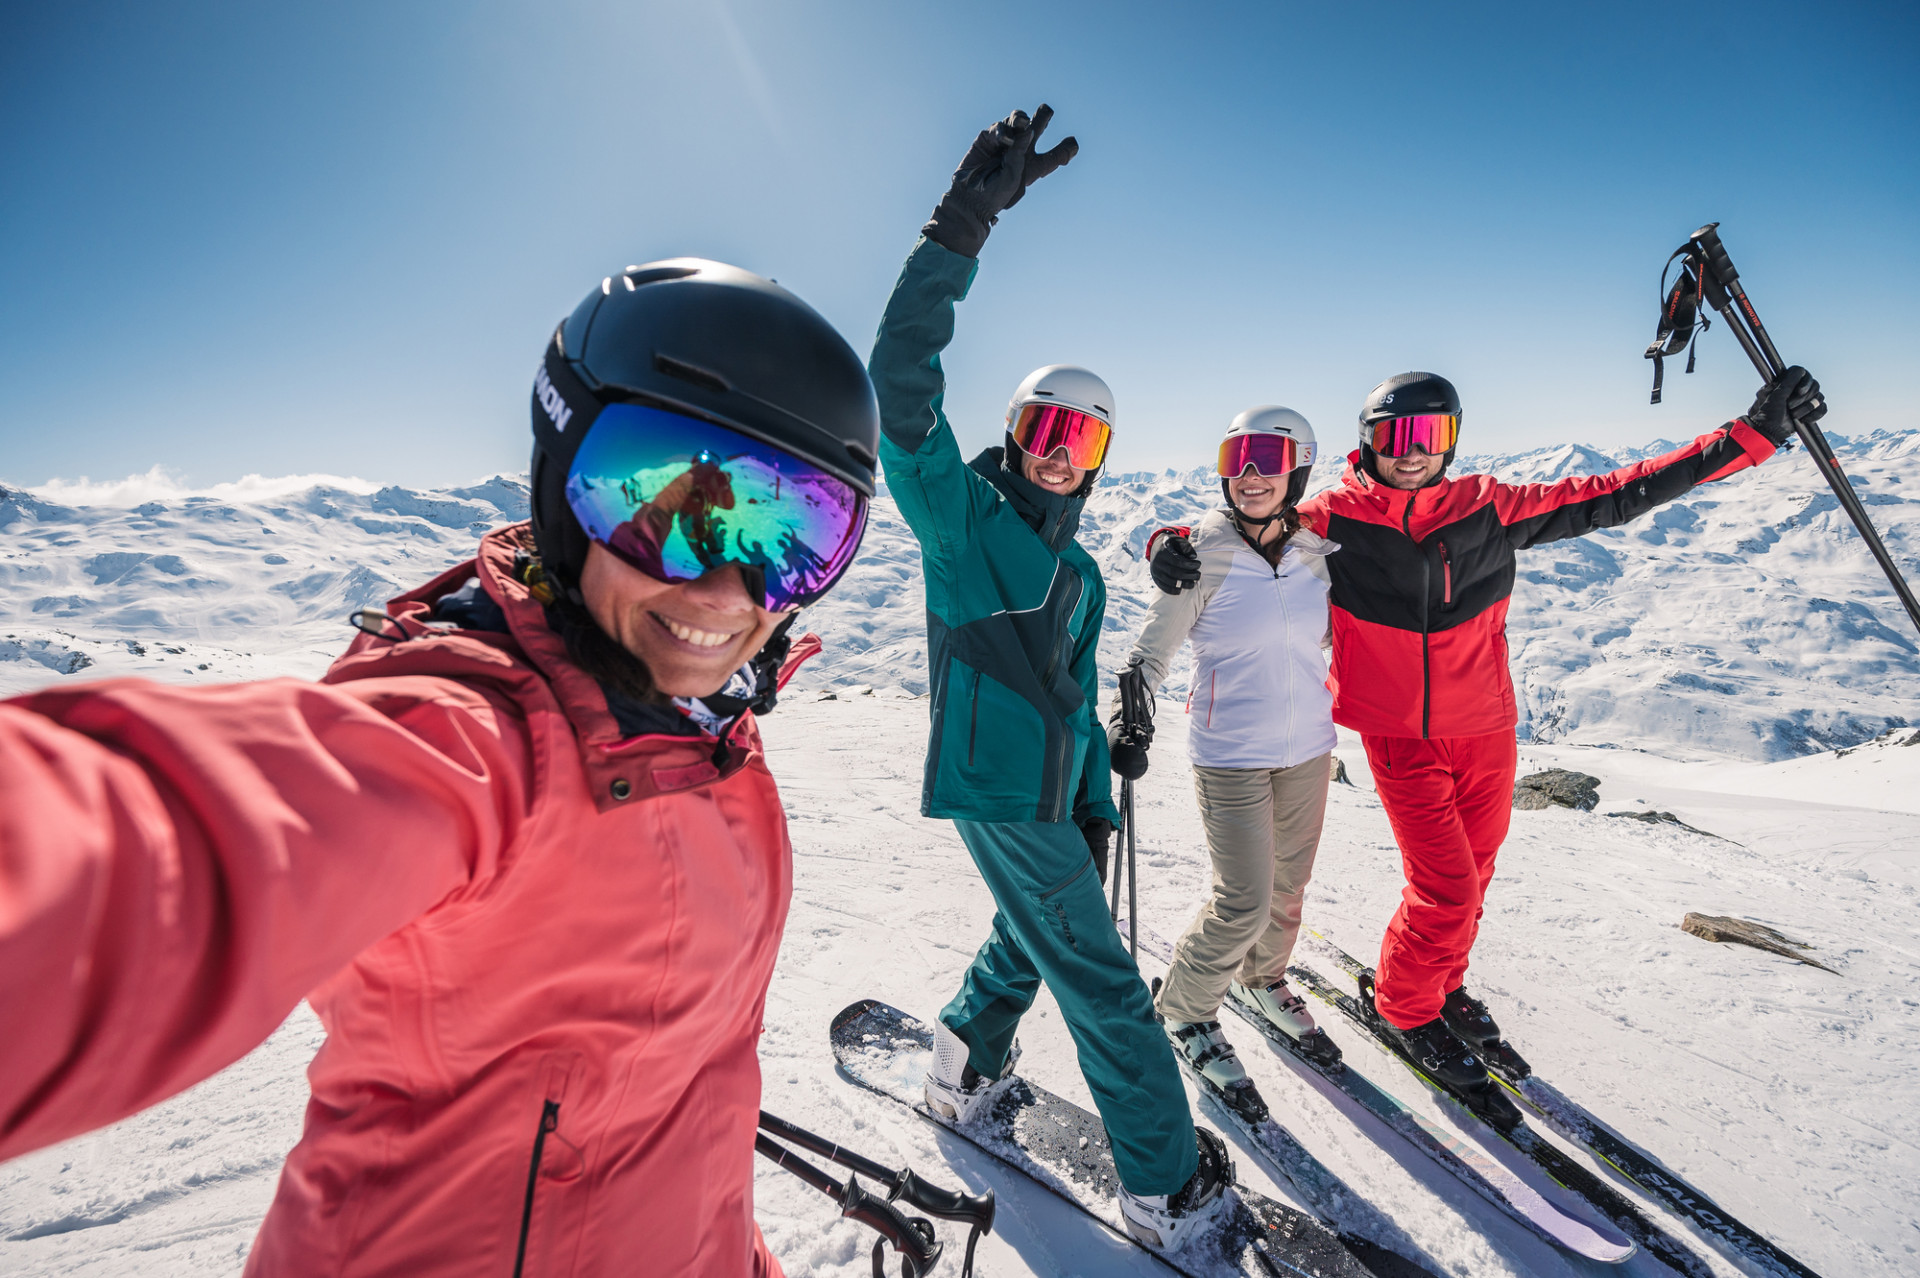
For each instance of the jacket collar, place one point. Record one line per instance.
(1216, 529)
(1389, 500)
(1054, 517)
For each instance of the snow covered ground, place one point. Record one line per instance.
(1693, 675)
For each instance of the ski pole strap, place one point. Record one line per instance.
(1136, 703)
(1681, 317)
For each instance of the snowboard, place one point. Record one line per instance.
(1064, 1149)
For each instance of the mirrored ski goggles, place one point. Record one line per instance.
(1044, 429)
(1269, 455)
(1432, 433)
(677, 497)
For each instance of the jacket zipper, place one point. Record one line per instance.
(1286, 618)
(973, 718)
(1426, 587)
(549, 1120)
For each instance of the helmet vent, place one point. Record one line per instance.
(637, 276)
(690, 373)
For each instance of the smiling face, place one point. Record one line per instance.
(1257, 496)
(1414, 470)
(692, 635)
(1052, 473)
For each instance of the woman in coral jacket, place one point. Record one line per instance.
(520, 849)
(1419, 607)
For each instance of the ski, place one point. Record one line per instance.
(1739, 1243)
(1550, 1158)
(1471, 1166)
(1064, 1149)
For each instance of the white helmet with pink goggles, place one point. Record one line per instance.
(1062, 406)
(1272, 441)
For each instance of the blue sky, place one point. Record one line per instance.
(279, 239)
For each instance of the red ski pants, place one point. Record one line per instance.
(1449, 800)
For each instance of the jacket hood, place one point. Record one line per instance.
(1054, 516)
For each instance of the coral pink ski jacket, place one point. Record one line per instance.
(541, 952)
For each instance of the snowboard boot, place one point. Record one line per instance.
(1468, 1017)
(1288, 1013)
(955, 1089)
(1204, 1046)
(1166, 1222)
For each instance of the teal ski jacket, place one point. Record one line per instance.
(1014, 605)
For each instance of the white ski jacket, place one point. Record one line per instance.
(1259, 697)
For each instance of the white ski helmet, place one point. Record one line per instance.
(1271, 419)
(1068, 385)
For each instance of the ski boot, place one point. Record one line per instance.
(1205, 1047)
(1165, 1222)
(1440, 1054)
(1469, 1018)
(1288, 1012)
(955, 1089)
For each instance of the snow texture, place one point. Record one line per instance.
(1704, 662)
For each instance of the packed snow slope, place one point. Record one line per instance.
(1716, 653)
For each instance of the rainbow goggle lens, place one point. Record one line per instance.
(1269, 455)
(1432, 433)
(1044, 429)
(677, 497)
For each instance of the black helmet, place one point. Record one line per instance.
(1406, 395)
(708, 340)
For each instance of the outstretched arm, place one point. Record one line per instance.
(938, 496)
(180, 866)
(1536, 513)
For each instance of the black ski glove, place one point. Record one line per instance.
(1175, 565)
(1792, 396)
(1131, 731)
(1097, 831)
(998, 168)
(1126, 753)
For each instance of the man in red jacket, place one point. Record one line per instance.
(519, 848)
(1419, 611)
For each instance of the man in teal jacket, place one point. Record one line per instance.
(1016, 756)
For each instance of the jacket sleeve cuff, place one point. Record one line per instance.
(1755, 445)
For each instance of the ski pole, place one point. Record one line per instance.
(1133, 880)
(975, 1210)
(912, 1237)
(1721, 286)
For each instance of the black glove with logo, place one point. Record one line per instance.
(1175, 565)
(998, 168)
(1097, 831)
(1792, 396)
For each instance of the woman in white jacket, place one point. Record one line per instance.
(1261, 740)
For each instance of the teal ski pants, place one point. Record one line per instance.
(1052, 925)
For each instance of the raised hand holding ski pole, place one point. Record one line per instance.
(996, 171)
(1790, 399)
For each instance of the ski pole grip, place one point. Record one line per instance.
(1708, 238)
(891, 1223)
(947, 1204)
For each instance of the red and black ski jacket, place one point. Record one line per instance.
(1421, 583)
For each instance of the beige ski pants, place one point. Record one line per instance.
(1263, 828)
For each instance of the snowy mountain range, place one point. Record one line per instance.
(1744, 621)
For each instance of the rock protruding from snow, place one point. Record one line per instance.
(1719, 927)
(1556, 787)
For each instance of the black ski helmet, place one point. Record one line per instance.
(708, 340)
(1406, 395)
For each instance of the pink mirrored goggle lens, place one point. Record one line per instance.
(1432, 433)
(1043, 429)
(1269, 455)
